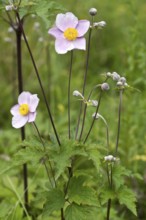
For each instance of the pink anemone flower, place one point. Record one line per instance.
(69, 33)
(25, 110)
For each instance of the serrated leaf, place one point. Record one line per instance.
(76, 212)
(62, 157)
(44, 9)
(81, 194)
(127, 197)
(107, 194)
(118, 175)
(30, 155)
(95, 156)
(55, 201)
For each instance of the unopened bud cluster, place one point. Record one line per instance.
(121, 81)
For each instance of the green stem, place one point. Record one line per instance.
(119, 122)
(39, 80)
(69, 83)
(84, 83)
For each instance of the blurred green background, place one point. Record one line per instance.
(120, 47)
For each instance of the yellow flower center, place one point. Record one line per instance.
(24, 109)
(70, 33)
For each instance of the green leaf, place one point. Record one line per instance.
(127, 197)
(55, 201)
(76, 212)
(94, 155)
(44, 9)
(119, 172)
(81, 194)
(107, 194)
(62, 156)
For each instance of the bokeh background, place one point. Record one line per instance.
(120, 47)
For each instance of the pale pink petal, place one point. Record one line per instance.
(34, 100)
(24, 98)
(15, 110)
(55, 32)
(80, 43)
(82, 27)
(31, 117)
(63, 45)
(64, 21)
(19, 121)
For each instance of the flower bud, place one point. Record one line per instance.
(96, 115)
(123, 80)
(110, 158)
(105, 86)
(119, 83)
(9, 7)
(93, 11)
(108, 74)
(115, 76)
(93, 102)
(77, 93)
(100, 24)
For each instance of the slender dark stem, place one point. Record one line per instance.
(90, 129)
(40, 83)
(62, 214)
(20, 89)
(69, 83)
(38, 132)
(108, 209)
(119, 122)
(84, 115)
(110, 180)
(84, 83)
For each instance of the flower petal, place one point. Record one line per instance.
(82, 27)
(19, 121)
(34, 100)
(32, 116)
(15, 110)
(24, 98)
(55, 32)
(64, 21)
(63, 45)
(80, 43)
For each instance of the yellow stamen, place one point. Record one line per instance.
(70, 34)
(24, 109)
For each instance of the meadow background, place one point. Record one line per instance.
(120, 47)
